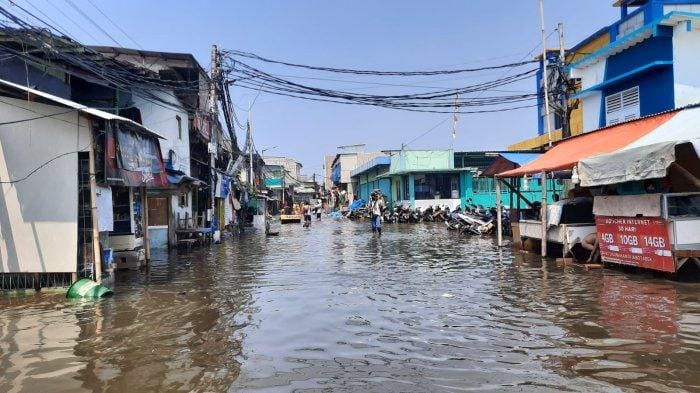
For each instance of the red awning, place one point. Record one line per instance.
(569, 152)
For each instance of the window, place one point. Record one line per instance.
(183, 200)
(157, 212)
(179, 126)
(436, 186)
(483, 185)
(622, 106)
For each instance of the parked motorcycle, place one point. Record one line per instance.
(427, 214)
(403, 214)
(389, 215)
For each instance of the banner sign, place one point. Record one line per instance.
(636, 241)
(133, 159)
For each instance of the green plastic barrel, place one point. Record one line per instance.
(85, 287)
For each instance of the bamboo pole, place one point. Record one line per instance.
(499, 219)
(97, 258)
(543, 213)
(144, 218)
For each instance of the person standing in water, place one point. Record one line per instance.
(376, 207)
(318, 209)
(307, 214)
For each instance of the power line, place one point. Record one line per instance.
(249, 55)
(251, 78)
(70, 19)
(427, 132)
(92, 22)
(115, 25)
(36, 118)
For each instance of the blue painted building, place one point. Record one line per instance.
(371, 176)
(422, 178)
(649, 65)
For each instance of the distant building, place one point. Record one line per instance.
(644, 63)
(422, 178)
(348, 159)
(282, 176)
(307, 189)
(327, 171)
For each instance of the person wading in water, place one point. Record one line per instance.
(376, 207)
(307, 214)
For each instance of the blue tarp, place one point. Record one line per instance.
(175, 179)
(358, 204)
(335, 175)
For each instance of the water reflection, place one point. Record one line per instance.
(336, 308)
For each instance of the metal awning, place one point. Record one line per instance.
(648, 157)
(378, 161)
(568, 153)
(80, 107)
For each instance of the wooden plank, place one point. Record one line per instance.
(592, 266)
(565, 261)
(517, 192)
(687, 253)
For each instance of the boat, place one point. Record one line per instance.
(290, 218)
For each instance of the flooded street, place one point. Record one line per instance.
(335, 308)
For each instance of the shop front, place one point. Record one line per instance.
(132, 165)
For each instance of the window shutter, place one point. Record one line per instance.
(622, 106)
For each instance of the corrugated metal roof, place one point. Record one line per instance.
(80, 107)
(381, 160)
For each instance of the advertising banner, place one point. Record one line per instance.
(133, 159)
(636, 241)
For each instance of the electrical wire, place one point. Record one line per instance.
(234, 53)
(37, 118)
(244, 75)
(92, 22)
(114, 24)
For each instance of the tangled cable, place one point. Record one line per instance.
(449, 100)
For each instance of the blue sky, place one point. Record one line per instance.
(366, 34)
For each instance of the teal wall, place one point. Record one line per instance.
(412, 190)
(368, 181)
(421, 160)
(488, 198)
(485, 197)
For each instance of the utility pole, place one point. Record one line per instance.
(563, 86)
(250, 154)
(562, 53)
(544, 75)
(96, 254)
(212, 129)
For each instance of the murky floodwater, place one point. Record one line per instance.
(334, 308)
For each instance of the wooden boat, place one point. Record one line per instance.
(291, 218)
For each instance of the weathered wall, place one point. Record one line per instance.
(163, 119)
(39, 216)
